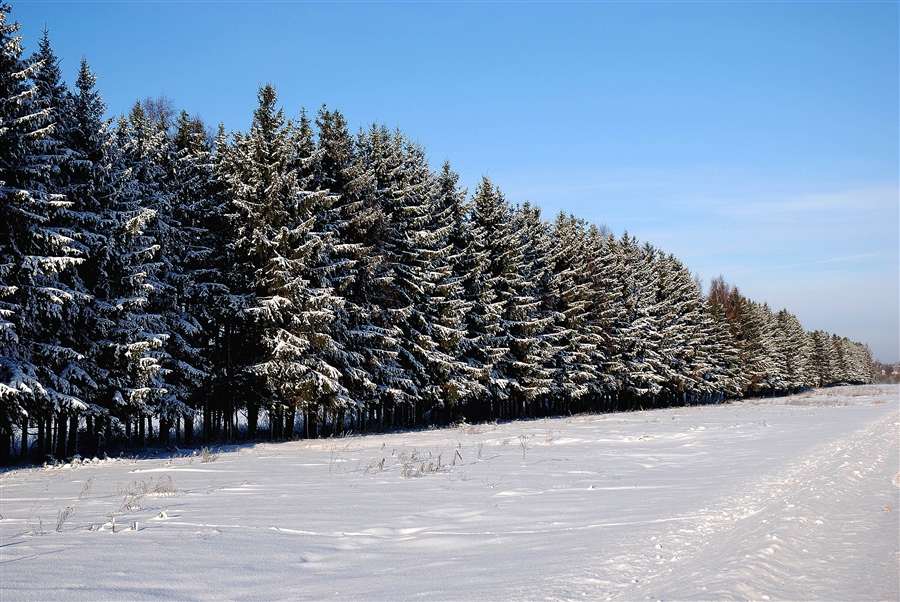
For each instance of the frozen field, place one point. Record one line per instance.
(786, 498)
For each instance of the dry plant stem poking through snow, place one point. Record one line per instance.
(523, 443)
(207, 456)
(63, 516)
(86, 489)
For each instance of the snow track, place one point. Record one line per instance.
(812, 529)
(788, 498)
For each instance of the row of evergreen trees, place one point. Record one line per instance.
(157, 282)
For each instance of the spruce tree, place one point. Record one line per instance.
(725, 376)
(275, 240)
(679, 312)
(602, 268)
(637, 335)
(418, 296)
(792, 349)
(200, 274)
(444, 305)
(33, 251)
(347, 219)
(500, 304)
(574, 333)
(756, 340)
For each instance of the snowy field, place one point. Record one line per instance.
(790, 498)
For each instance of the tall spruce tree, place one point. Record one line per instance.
(151, 164)
(531, 337)
(421, 302)
(444, 306)
(348, 251)
(602, 268)
(496, 290)
(574, 333)
(680, 314)
(792, 347)
(394, 199)
(67, 359)
(34, 252)
(276, 215)
(196, 345)
(725, 377)
(756, 342)
(637, 335)
(127, 338)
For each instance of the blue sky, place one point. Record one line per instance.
(759, 141)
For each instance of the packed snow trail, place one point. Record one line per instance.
(824, 526)
(786, 498)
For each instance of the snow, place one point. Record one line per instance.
(783, 498)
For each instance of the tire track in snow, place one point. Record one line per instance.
(811, 528)
(805, 532)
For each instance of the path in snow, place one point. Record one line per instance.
(787, 498)
(822, 526)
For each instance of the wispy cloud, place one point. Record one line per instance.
(845, 259)
(821, 206)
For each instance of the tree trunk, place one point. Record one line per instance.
(41, 438)
(61, 423)
(311, 426)
(277, 419)
(188, 430)
(89, 452)
(163, 431)
(252, 420)
(289, 422)
(207, 421)
(5, 444)
(72, 447)
(24, 441)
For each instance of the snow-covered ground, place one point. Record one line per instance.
(786, 498)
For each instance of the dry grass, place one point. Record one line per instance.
(62, 516)
(86, 490)
(134, 493)
(523, 444)
(206, 455)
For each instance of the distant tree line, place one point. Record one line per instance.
(887, 373)
(160, 285)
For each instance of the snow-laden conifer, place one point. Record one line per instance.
(574, 332)
(793, 350)
(637, 335)
(680, 315)
(489, 287)
(274, 237)
(756, 340)
(724, 374)
(348, 218)
(34, 252)
(416, 293)
(602, 267)
(445, 306)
